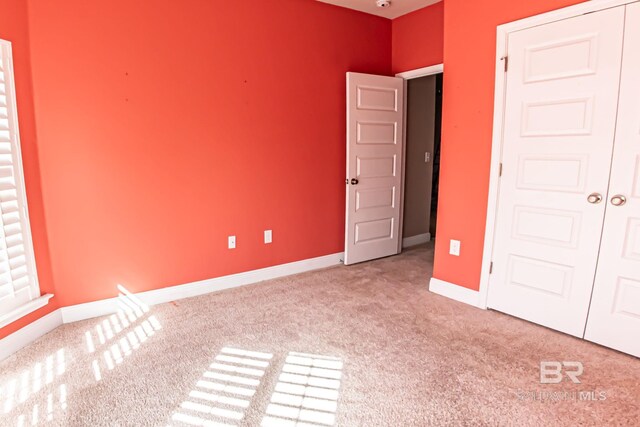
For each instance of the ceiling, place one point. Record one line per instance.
(397, 8)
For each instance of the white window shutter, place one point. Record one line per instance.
(18, 278)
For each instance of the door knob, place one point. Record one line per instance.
(354, 181)
(594, 198)
(618, 200)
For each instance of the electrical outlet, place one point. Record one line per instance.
(268, 236)
(454, 247)
(232, 242)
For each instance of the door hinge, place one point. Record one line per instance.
(506, 63)
(491, 267)
(500, 170)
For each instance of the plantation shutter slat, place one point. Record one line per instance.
(18, 279)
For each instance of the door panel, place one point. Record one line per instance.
(614, 317)
(560, 109)
(374, 162)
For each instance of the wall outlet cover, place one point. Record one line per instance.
(454, 247)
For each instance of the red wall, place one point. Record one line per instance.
(14, 28)
(162, 130)
(166, 126)
(418, 38)
(469, 61)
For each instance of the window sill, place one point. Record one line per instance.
(22, 311)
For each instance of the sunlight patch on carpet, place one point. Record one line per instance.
(307, 392)
(224, 391)
(120, 334)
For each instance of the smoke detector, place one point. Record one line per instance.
(383, 3)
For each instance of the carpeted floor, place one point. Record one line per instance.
(365, 345)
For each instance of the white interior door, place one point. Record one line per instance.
(374, 166)
(614, 317)
(560, 114)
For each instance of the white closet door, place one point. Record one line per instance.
(614, 317)
(561, 100)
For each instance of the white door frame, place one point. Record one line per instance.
(503, 32)
(408, 75)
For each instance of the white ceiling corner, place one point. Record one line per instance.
(397, 8)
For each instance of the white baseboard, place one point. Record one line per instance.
(25, 336)
(455, 292)
(89, 310)
(416, 240)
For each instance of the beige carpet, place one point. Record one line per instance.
(384, 352)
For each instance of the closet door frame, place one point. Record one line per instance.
(503, 32)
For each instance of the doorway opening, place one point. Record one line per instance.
(422, 159)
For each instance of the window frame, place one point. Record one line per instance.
(38, 300)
